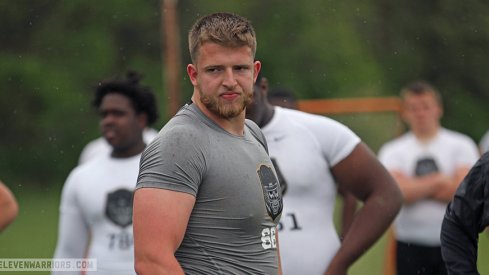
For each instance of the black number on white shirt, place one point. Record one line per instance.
(121, 241)
(289, 222)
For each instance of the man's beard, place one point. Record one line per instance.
(226, 111)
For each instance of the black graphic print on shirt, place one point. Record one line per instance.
(271, 191)
(425, 166)
(118, 208)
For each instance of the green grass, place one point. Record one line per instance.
(33, 234)
(372, 262)
(34, 231)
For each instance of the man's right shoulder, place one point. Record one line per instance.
(183, 122)
(180, 132)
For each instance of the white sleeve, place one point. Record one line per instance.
(388, 158)
(72, 228)
(149, 134)
(484, 143)
(468, 153)
(336, 140)
(93, 149)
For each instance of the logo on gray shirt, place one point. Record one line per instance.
(271, 191)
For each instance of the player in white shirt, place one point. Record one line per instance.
(313, 153)
(100, 146)
(96, 203)
(428, 162)
(283, 97)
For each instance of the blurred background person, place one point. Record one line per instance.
(428, 162)
(9, 207)
(317, 155)
(96, 203)
(283, 97)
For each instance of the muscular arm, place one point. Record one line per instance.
(8, 207)
(362, 174)
(160, 219)
(435, 186)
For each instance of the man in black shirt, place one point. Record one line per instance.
(467, 215)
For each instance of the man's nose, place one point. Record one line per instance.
(229, 79)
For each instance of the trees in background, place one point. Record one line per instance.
(53, 52)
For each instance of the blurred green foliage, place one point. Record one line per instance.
(54, 52)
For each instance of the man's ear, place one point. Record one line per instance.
(192, 73)
(256, 70)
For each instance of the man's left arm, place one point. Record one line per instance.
(363, 175)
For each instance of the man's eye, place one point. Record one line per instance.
(213, 70)
(242, 69)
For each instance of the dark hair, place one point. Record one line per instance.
(282, 92)
(142, 97)
(420, 88)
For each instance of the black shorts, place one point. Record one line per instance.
(413, 259)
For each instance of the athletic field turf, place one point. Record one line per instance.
(33, 234)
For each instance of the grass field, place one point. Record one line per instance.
(33, 234)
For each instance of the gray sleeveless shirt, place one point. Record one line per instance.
(231, 229)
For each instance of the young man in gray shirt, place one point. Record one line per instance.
(208, 199)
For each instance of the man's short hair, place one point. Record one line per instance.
(142, 97)
(224, 29)
(420, 88)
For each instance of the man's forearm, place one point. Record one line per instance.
(371, 221)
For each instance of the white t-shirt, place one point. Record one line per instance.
(484, 143)
(96, 207)
(304, 147)
(420, 222)
(100, 146)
